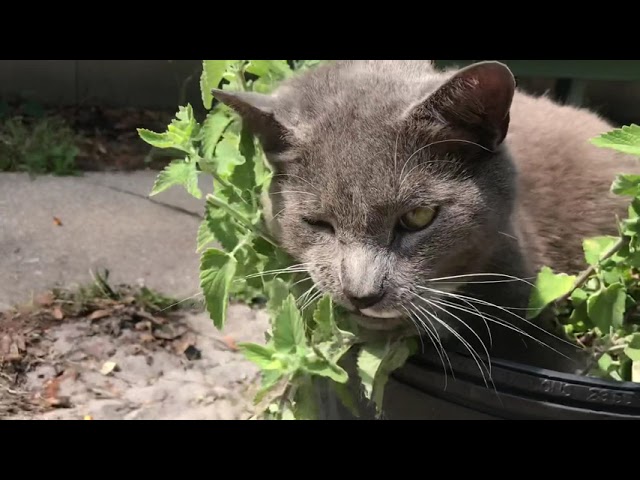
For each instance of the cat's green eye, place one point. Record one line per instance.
(418, 218)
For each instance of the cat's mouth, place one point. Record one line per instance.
(378, 320)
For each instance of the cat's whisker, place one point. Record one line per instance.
(313, 298)
(503, 323)
(505, 278)
(298, 268)
(466, 344)
(413, 322)
(437, 304)
(306, 279)
(489, 304)
(435, 340)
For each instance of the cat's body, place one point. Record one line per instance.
(361, 148)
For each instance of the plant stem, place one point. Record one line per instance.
(584, 276)
(216, 202)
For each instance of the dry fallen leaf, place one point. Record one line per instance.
(57, 221)
(57, 313)
(230, 343)
(108, 367)
(99, 314)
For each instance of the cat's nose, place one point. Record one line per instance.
(364, 301)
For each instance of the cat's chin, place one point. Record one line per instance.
(378, 323)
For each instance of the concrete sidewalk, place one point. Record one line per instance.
(107, 222)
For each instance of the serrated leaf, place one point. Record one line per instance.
(396, 357)
(549, 287)
(227, 155)
(376, 361)
(632, 350)
(369, 359)
(325, 368)
(595, 247)
(222, 228)
(211, 132)
(606, 307)
(158, 140)
(212, 73)
(346, 397)
(278, 292)
(305, 405)
(288, 329)
(626, 185)
(205, 237)
(178, 172)
(217, 270)
(625, 140)
(324, 319)
(179, 135)
(261, 355)
(243, 176)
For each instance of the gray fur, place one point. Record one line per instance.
(349, 143)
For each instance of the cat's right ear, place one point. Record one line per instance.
(476, 99)
(257, 113)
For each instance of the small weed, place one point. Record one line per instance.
(37, 145)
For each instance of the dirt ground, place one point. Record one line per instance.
(118, 360)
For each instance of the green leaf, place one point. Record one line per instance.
(288, 329)
(549, 287)
(178, 172)
(212, 72)
(270, 379)
(305, 405)
(278, 292)
(211, 132)
(625, 140)
(632, 350)
(346, 397)
(626, 185)
(205, 237)
(227, 155)
(323, 317)
(179, 135)
(217, 270)
(325, 368)
(606, 307)
(222, 227)
(243, 176)
(258, 354)
(635, 371)
(606, 363)
(395, 358)
(369, 360)
(158, 140)
(578, 296)
(594, 248)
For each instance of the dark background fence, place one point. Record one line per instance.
(611, 87)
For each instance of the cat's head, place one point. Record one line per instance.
(387, 175)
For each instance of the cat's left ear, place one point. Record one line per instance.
(476, 99)
(257, 111)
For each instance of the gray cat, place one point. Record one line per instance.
(413, 195)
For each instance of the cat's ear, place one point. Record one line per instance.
(257, 112)
(477, 99)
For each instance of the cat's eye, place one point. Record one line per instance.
(319, 224)
(418, 218)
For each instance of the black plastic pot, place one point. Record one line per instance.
(417, 392)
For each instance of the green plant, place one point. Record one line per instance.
(599, 307)
(38, 145)
(309, 334)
